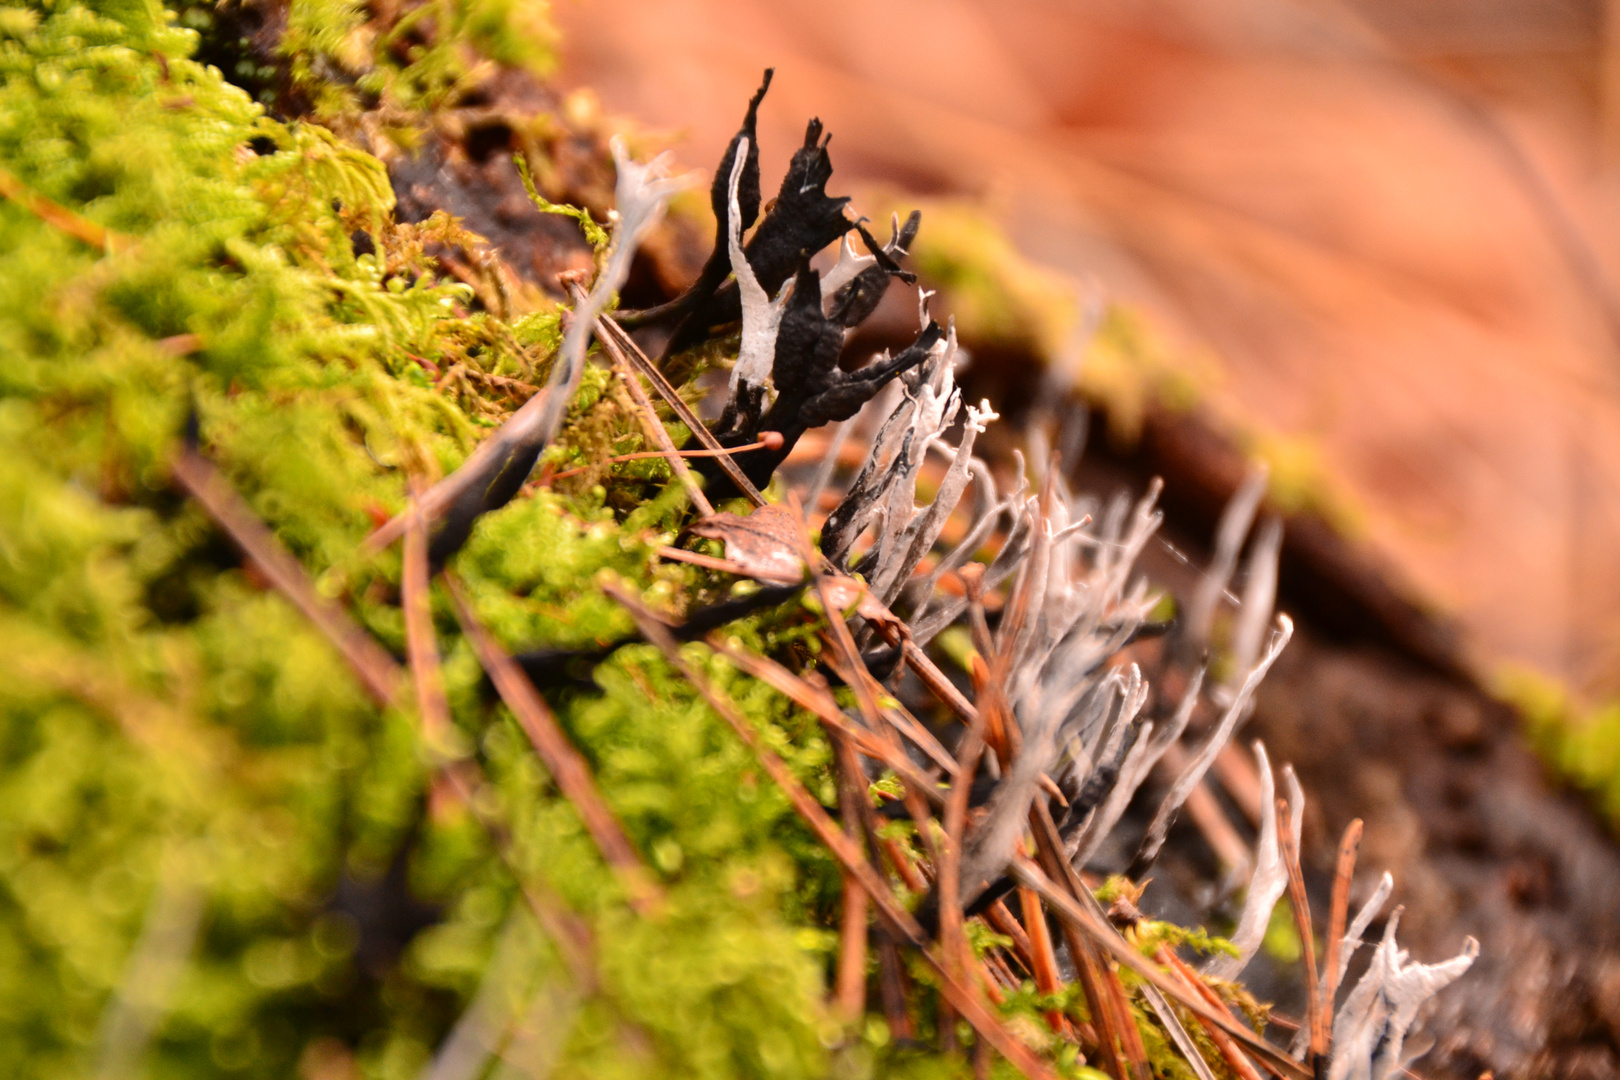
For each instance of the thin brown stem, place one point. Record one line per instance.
(654, 428)
(951, 937)
(645, 455)
(1002, 922)
(1302, 921)
(1338, 915)
(61, 218)
(1042, 955)
(567, 766)
(892, 989)
(1130, 1036)
(850, 984)
(376, 670)
(892, 717)
(421, 645)
(959, 995)
(614, 333)
(708, 562)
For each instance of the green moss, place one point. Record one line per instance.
(171, 728)
(1282, 942)
(1581, 743)
(1302, 482)
(1129, 366)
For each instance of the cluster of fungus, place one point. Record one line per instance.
(1063, 727)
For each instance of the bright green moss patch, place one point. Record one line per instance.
(215, 853)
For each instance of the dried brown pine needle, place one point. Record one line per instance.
(961, 996)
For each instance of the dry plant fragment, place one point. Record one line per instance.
(566, 765)
(375, 669)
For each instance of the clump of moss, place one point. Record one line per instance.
(1581, 743)
(191, 780)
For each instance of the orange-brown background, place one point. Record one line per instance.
(1396, 225)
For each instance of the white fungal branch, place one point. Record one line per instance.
(845, 270)
(1075, 603)
(761, 316)
(1138, 764)
(1369, 1031)
(1259, 595)
(1229, 535)
(917, 538)
(640, 196)
(1194, 772)
(1266, 884)
(1358, 926)
(889, 477)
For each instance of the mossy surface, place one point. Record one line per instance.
(210, 837)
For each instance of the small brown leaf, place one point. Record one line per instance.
(769, 545)
(766, 543)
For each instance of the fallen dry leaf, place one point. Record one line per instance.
(765, 544)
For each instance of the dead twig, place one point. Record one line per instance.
(708, 562)
(894, 716)
(1286, 838)
(567, 766)
(1178, 1033)
(611, 331)
(1001, 921)
(376, 670)
(1338, 914)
